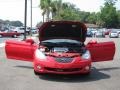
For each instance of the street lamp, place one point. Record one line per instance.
(31, 19)
(25, 20)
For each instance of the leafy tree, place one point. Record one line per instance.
(12, 23)
(118, 13)
(84, 16)
(16, 23)
(92, 18)
(109, 15)
(112, 2)
(45, 5)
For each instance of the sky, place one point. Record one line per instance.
(14, 9)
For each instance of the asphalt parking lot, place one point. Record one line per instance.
(18, 75)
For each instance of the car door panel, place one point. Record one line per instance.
(20, 50)
(103, 51)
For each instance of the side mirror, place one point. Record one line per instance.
(92, 42)
(31, 41)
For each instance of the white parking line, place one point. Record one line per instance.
(2, 44)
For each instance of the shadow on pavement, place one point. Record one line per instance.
(108, 69)
(95, 75)
(28, 67)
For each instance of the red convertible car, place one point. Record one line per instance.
(9, 33)
(61, 49)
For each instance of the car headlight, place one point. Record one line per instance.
(40, 55)
(86, 55)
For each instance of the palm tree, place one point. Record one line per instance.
(56, 7)
(53, 8)
(45, 5)
(42, 6)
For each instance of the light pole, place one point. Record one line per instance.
(31, 19)
(25, 20)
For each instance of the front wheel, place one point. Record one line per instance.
(87, 74)
(15, 36)
(0, 36)
(36, 73)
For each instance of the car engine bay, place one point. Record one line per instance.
(50, 47)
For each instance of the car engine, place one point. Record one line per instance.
(62, 47)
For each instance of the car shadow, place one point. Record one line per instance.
(95, 75)
(27, 67)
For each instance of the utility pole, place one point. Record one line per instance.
(31, 19)
(25, 20)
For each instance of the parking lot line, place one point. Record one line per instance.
(2, 44)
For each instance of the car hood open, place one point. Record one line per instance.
(62, 30)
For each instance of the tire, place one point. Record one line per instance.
(87, 74)
(0, 36)
(15, 36)
(36, 73)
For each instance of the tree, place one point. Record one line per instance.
(112, 2)
(92, 18)
(84, 16)
(109, 14)
(16, 23)
(56, 8)
(45, 5)
(118, 13)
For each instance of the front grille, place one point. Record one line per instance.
(64, 59)
(63, 70)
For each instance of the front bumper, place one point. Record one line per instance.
(50, 66)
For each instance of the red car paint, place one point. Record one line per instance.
(51, 66)
(60, 62)
(107, 31)
(21, 50)
(9, 34)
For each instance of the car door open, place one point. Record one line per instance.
(20, 50)
(103, 51)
